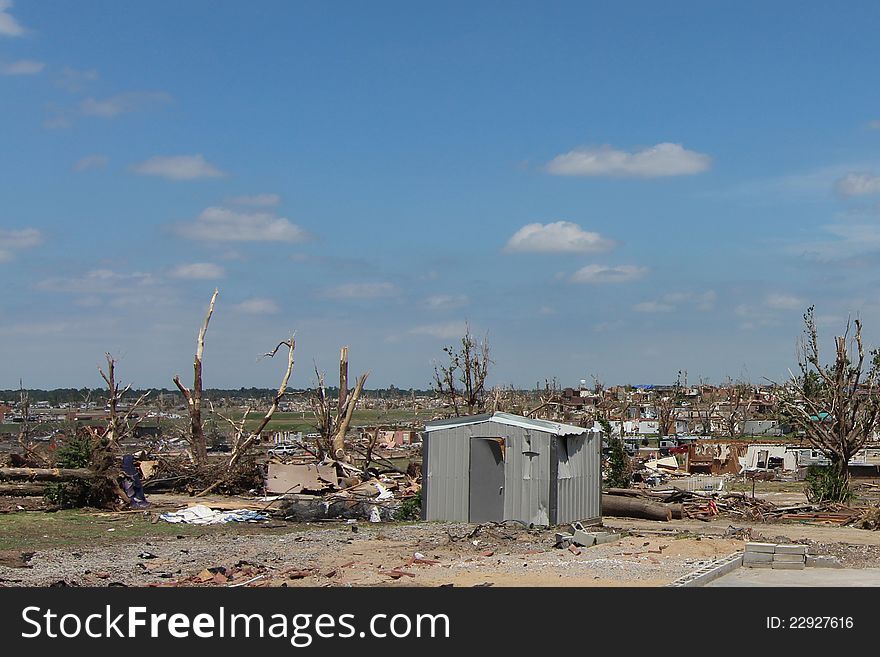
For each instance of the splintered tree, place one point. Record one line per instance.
(836, 405)
(197, 443)
(332, 428)
(467, 366)
(244, 439)
(119, 415)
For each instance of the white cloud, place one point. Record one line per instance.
(98, 281)
(257, 306)
(845, 241)
(447, 331)
(784, 302)
(224, 225)
(858, 184)
(557, 237)
(17, 239)
(124, 103)
(178, 167)
(22, 67)
(664, 159)
(446, 301)
(8, 25)
(198, 271)
(74, 79)
(257, 200)
(605, 274)
(874, 125)
(652, 307)
(362, 291)
(90, 162)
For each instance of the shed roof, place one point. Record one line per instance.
(546, 426)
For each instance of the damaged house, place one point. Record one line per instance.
(498, 466)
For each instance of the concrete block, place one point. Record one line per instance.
(584, 539)
(789, 558)
(761, 547)
(758, 564)
(823, 562)
(791, 549)
(758, 557)
(782, 565)
(606, 537)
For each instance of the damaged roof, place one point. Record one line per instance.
(556, 428)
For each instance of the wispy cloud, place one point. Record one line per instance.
(858, 184)
(22, 67)
(198, 271)
(445, 331)
(606, 274)
(446, 301)
(257, 200)
(661, 160)
(874, 124)
(257, 306)
(556, 237)
(178, 167)
(14, 240)
(132, 101)
(90, 162)
(362, 291)
(842, 241)
(75, 79)
(9, 26)
(223, 225)
(784, 302)
(653, 307)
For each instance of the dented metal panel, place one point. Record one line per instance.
(580, 485)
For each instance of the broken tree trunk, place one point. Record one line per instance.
(45, 474)
(625, 507)
(194, 397)
(345, 420)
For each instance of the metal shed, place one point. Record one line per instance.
(498, 466)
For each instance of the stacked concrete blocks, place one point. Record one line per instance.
(777, 556)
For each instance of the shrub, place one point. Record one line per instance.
(825, 484)
(410, 508)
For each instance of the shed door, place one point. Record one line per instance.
(486, 480)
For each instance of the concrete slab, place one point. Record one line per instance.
(758, 557)
(789, 565)
(789, 558)
(791, 549)
(809, 577)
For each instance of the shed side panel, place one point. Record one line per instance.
(526, 473)
(447, 476)
(580, 484)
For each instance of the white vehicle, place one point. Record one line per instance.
(282, 450)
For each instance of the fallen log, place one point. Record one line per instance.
(23, 490)
(45, 474)
(620, 506)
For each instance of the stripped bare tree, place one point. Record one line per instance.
(119, 424)
(333, 428)
(193, 397)
(468, 366)
(836, 406)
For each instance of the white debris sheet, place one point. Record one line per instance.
(200, 514)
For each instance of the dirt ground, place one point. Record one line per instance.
(83, 548)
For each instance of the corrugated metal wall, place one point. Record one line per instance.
(579, 485)
(526, 474)
(449, 457)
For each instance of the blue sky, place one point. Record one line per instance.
(619, 190)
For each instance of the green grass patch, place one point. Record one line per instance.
(78, 528)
